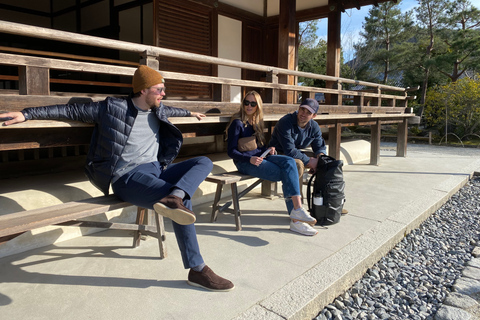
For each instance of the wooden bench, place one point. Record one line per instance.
(68, 214)
(231, 178)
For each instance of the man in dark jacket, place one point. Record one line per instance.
(296, 131)
(132, 151)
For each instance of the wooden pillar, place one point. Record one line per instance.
(308, 94)
(274, 97)
(402, 135)
(286, 46)
(33, 80)
(150, 60)
(359, 101)
(375, 143)
(333, 48)
(334, 139)
(222, 92)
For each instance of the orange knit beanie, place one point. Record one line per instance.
(145, 77)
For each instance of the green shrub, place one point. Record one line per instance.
(415, 131)
(459, 102)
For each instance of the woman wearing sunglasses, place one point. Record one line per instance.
(248, 149)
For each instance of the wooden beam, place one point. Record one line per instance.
(375, 143)
(402, 135)
(33, 80)
(333, 48)
(286, 45)
(334, 139)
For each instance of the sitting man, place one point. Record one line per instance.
(132, 149)
(296, 131)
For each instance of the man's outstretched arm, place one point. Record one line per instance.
(12, 118)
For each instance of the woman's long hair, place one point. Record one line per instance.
(257, 119)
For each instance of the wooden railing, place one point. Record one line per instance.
(376, 105)
(383, 99)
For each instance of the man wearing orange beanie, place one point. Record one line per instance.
(132, 150)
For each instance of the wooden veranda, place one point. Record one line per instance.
(40, 141)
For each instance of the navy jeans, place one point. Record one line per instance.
(148, 183)
(276, 168)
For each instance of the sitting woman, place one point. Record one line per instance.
(246, 145)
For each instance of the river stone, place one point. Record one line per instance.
(459, 300)
(474, 263)
(476, 252)
(471, 272)
(452, 313)
(466, 286)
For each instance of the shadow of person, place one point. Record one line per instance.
(4, 300)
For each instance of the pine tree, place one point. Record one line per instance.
(385, 30)
(431, 17)
(459, 51)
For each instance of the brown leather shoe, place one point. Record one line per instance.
(344, 211)
(209, 280)
(172, 207)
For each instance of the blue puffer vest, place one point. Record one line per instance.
(113, 119)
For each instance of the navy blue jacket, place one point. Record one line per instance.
(113, 119)
(287, 138)
(236, 131)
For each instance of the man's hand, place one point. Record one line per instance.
(11, 118)
(256, 161)
(312, 164)
(198, 115)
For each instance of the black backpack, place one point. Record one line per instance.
(325, 202)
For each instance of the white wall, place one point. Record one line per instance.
(230, 47)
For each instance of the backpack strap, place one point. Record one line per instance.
(309, 193)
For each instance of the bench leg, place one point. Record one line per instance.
(161, 235)
(141, 215)
(218, 195)
(269, 188)
(236, 207)
(139, 221)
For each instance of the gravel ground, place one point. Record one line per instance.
(413, 279)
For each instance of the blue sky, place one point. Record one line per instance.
(352, 20)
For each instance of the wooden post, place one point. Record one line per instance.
(359, 102)
(402, 135)
(273, 78)
(33, 80)
(287, 31)
(308, 94)
(339, 96)
(150, 59)
(375, 143)
(334, 139)
(219, 143)
(333, 48)
(379, 100)
(222, 92)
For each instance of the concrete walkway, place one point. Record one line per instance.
(278, 274)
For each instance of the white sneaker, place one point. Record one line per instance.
(301, 214)
(302, 228)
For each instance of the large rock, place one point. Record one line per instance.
(459, 300)
(452, 313)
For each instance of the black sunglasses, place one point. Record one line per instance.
(252, 103)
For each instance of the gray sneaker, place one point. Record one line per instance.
(302, 215)
(302, 228)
